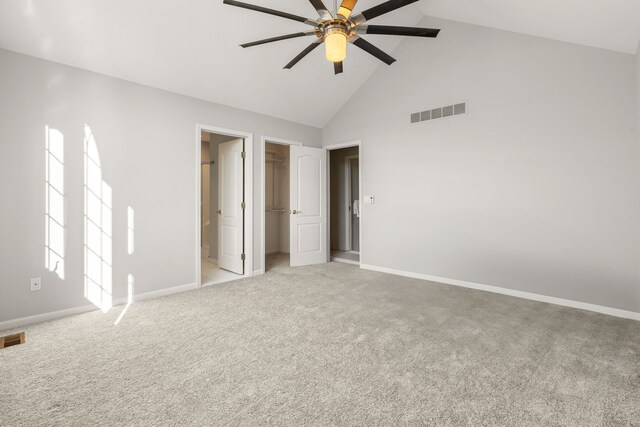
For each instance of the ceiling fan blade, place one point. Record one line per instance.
(337, 67)
(371, 49)
(381, 9)
(346, 7)
(304, 53)
(321, 8)
(270, 12)
(277, 39)
(398, 31)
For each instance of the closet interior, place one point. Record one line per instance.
(276, 199)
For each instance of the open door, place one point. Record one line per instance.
(231, 206)
(308, 225)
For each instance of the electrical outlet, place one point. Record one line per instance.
(36, 284)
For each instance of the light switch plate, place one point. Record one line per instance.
(369, 200)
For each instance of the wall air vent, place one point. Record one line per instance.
(11, 340)
(439, 113)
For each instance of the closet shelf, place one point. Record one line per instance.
(276, 210)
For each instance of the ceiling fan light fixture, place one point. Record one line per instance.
(335, 43)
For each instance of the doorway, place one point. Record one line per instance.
(294, 218)
(345, 204)
(276, 200)
(224, 213)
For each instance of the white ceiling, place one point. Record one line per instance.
(192, 47)
(607, 24)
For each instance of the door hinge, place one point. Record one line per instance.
(243, 205)
(244, 154)
(242, 257)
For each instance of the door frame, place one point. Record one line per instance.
(329, 148)
(263, 148)
(248, 196)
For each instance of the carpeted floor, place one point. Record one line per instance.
(326, 345)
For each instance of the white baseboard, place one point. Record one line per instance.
(344, 261)
(45, 317)
(223, 280)
(52, 315)
(511, 292)
(213, 261)
(258, 272)
(159, 293)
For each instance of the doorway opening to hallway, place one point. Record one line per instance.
(345, 204)
(223, 207)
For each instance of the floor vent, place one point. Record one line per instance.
(439, 113)
(11, 340)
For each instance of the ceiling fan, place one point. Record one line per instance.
(337, 28)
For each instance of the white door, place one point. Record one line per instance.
(230, 206)
(308, 225)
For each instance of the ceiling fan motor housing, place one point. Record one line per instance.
(334, 26)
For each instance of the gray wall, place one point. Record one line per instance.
(638, 117)
(535, 189)
(146, 138)
(638, 90)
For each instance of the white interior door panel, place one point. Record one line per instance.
(308, 225)
(230, 201)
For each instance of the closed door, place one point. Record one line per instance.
(231, 206)
(308, 192)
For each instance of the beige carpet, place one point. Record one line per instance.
(326, 345)
(351, 256)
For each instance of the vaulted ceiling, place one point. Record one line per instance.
(192, 48)
(607, 24)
